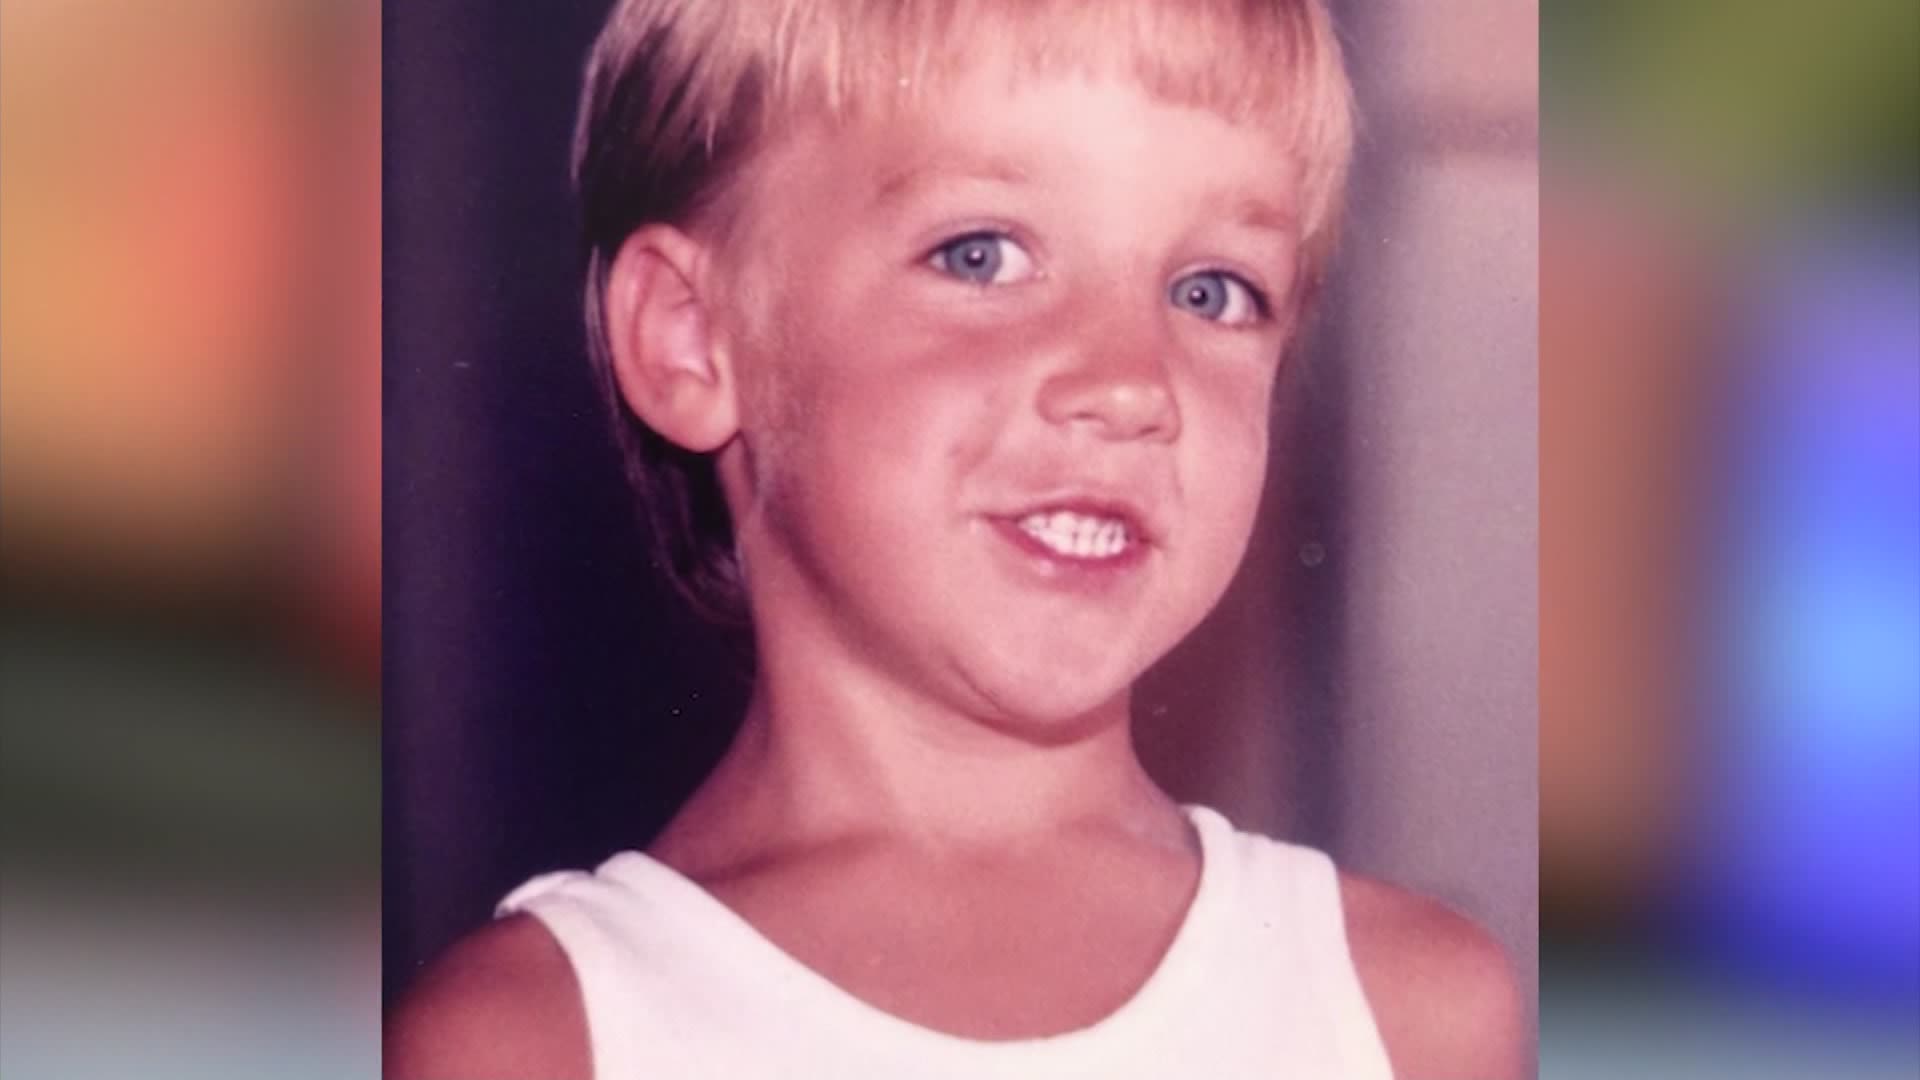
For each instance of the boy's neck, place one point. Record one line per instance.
(814, 764)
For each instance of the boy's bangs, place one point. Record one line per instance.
(1274, 63)
(685, 81)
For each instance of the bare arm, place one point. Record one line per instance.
(501, 1003)
(1442, 990)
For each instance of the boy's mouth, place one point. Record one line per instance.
(1081, 531)
(1080, 534)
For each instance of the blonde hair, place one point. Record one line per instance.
(679, 94)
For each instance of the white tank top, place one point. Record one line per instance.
(1257, 983)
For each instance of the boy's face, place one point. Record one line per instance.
(1005, 367)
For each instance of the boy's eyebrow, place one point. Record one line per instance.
(897, 184)
(1258, 213)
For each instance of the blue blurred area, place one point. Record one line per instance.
(1806, 872)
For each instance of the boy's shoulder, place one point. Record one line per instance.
(503, 1001)
(1442, 991)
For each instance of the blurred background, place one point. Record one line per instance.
(189, 481)
(1369, 686)
(1730, 540)
(190, 526)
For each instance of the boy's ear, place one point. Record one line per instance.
(660, 333)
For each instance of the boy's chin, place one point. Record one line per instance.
(1047, 725)
(1055, 707)
(1057, 685)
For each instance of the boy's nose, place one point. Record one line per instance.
(1121, 395)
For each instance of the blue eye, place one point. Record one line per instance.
(985, 258)
(1218, 296)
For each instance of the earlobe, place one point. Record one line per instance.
(669, 367)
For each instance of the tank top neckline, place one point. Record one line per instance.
(1141, 1014)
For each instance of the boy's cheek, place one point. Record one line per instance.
(1228, 403)
(1235, 476)
(1225, 466)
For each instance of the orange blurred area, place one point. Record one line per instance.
(191, 358)
(1623, 348)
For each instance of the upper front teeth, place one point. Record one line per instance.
(1082, 536)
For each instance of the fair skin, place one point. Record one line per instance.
(960, 337)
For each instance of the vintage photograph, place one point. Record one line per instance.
(961, 538)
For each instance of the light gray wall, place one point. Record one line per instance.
(1439, 694)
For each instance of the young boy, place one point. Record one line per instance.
(943, 335)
